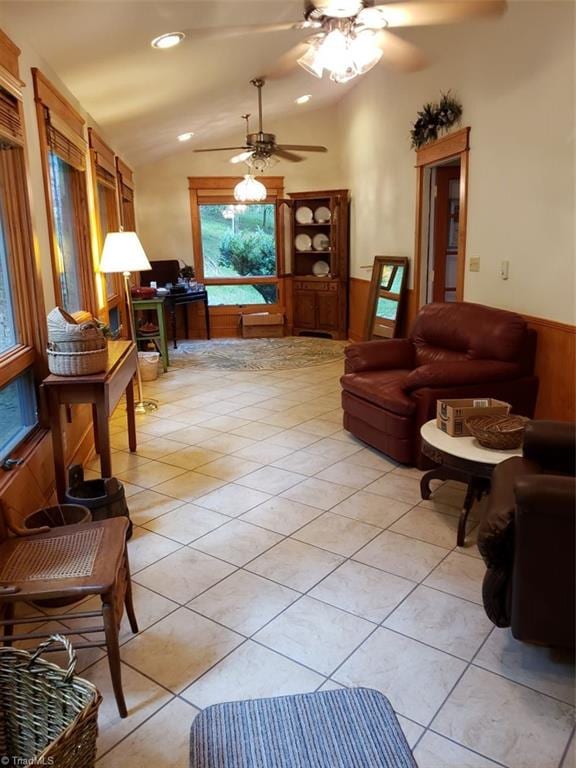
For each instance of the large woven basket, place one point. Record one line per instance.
(47, 715)
(501, 433)
(76, 363)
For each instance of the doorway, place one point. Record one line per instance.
(443, 224)
(441, 213)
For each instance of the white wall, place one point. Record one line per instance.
(515, 79)
(162, 197)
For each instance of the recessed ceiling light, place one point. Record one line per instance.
(185, 136)
(303, 99)
(169, 40)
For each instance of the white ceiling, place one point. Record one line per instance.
(143, 98)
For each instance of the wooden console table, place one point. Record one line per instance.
(103, 391)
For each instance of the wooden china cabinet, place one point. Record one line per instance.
(319, 250)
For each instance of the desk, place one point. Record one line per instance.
(178, 299)
(462, 459)
(102, 390)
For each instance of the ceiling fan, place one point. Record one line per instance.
(261, 148)
(349, 37)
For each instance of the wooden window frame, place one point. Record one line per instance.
(24, 270)
(125, 186)
(103, 174)
(219, 190)
(52, 109)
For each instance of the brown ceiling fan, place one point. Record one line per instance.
(350, 36)
(260, 147)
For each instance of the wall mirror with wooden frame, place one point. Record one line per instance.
(386, 299)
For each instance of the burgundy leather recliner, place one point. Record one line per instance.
(526, 538)
(455, 350)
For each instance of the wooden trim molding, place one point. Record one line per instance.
(50, 97)
(454, 145)
(448, 146)
(9, 55)
(555, 355)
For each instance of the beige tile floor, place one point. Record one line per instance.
(273, 554)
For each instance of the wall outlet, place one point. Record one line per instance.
(474, 264)
(504, 269)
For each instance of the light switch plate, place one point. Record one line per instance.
(504, 269)
(474, 264)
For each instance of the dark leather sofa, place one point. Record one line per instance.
(527, 538)
(454, 350)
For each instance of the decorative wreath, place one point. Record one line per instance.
(434, 119)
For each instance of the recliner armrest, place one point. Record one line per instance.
(388, 354)
(460, 373)
(551, 444)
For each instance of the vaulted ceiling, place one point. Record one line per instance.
(142, 97)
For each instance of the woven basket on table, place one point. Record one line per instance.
(75, 349)
(47, 715)
(501, 433)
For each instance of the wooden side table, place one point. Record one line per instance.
(160, 339)
(462, 459)
(102, 390)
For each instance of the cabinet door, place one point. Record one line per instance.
(327, 311)
(305, 309)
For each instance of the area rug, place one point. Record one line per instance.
(256, 354)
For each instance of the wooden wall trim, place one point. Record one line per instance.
(207, 184)
(447, 146)
(48, 95)
(9, 53)
(555, 354)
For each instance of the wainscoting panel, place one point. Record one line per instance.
(555, 358)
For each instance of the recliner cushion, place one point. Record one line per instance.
(456, 331)
(384, 389)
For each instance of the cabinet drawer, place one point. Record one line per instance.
(315, 285)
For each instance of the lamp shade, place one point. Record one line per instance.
(123, 252)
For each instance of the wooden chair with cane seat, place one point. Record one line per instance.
(73, 561)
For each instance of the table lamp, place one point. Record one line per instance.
(123, 252)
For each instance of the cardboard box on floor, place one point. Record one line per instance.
(263, 325)
(451, 415)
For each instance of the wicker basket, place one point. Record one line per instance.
(501, 433)
(48, 716)
(76, 363)
(71, 336)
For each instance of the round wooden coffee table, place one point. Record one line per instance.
(462, 459)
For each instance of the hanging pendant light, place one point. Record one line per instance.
(250, 190)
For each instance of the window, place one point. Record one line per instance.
(239, 241)
(64, 213)
(22, 316)
(236, 247)
(18, 412)
(64, 150)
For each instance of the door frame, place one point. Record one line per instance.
(453, 146)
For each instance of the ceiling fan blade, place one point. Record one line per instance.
(220, 149)
(287, 62)
(399, 53)
(290, 156)
(242, 157)
(415, 14)
(224, 33)
(303, 147)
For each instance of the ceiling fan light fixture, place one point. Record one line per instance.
(241, 158)
(311, 61)
(169, 40)
(372, 18)
(250, 190)
(365, 51)
(339, 9)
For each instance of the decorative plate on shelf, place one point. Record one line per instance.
(321, 242)
(322, 215)
(303, 242)
(321, 269)
(304, 215)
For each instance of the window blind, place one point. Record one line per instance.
(64, 142)
(11, 127)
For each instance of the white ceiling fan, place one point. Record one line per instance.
(349, 37)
